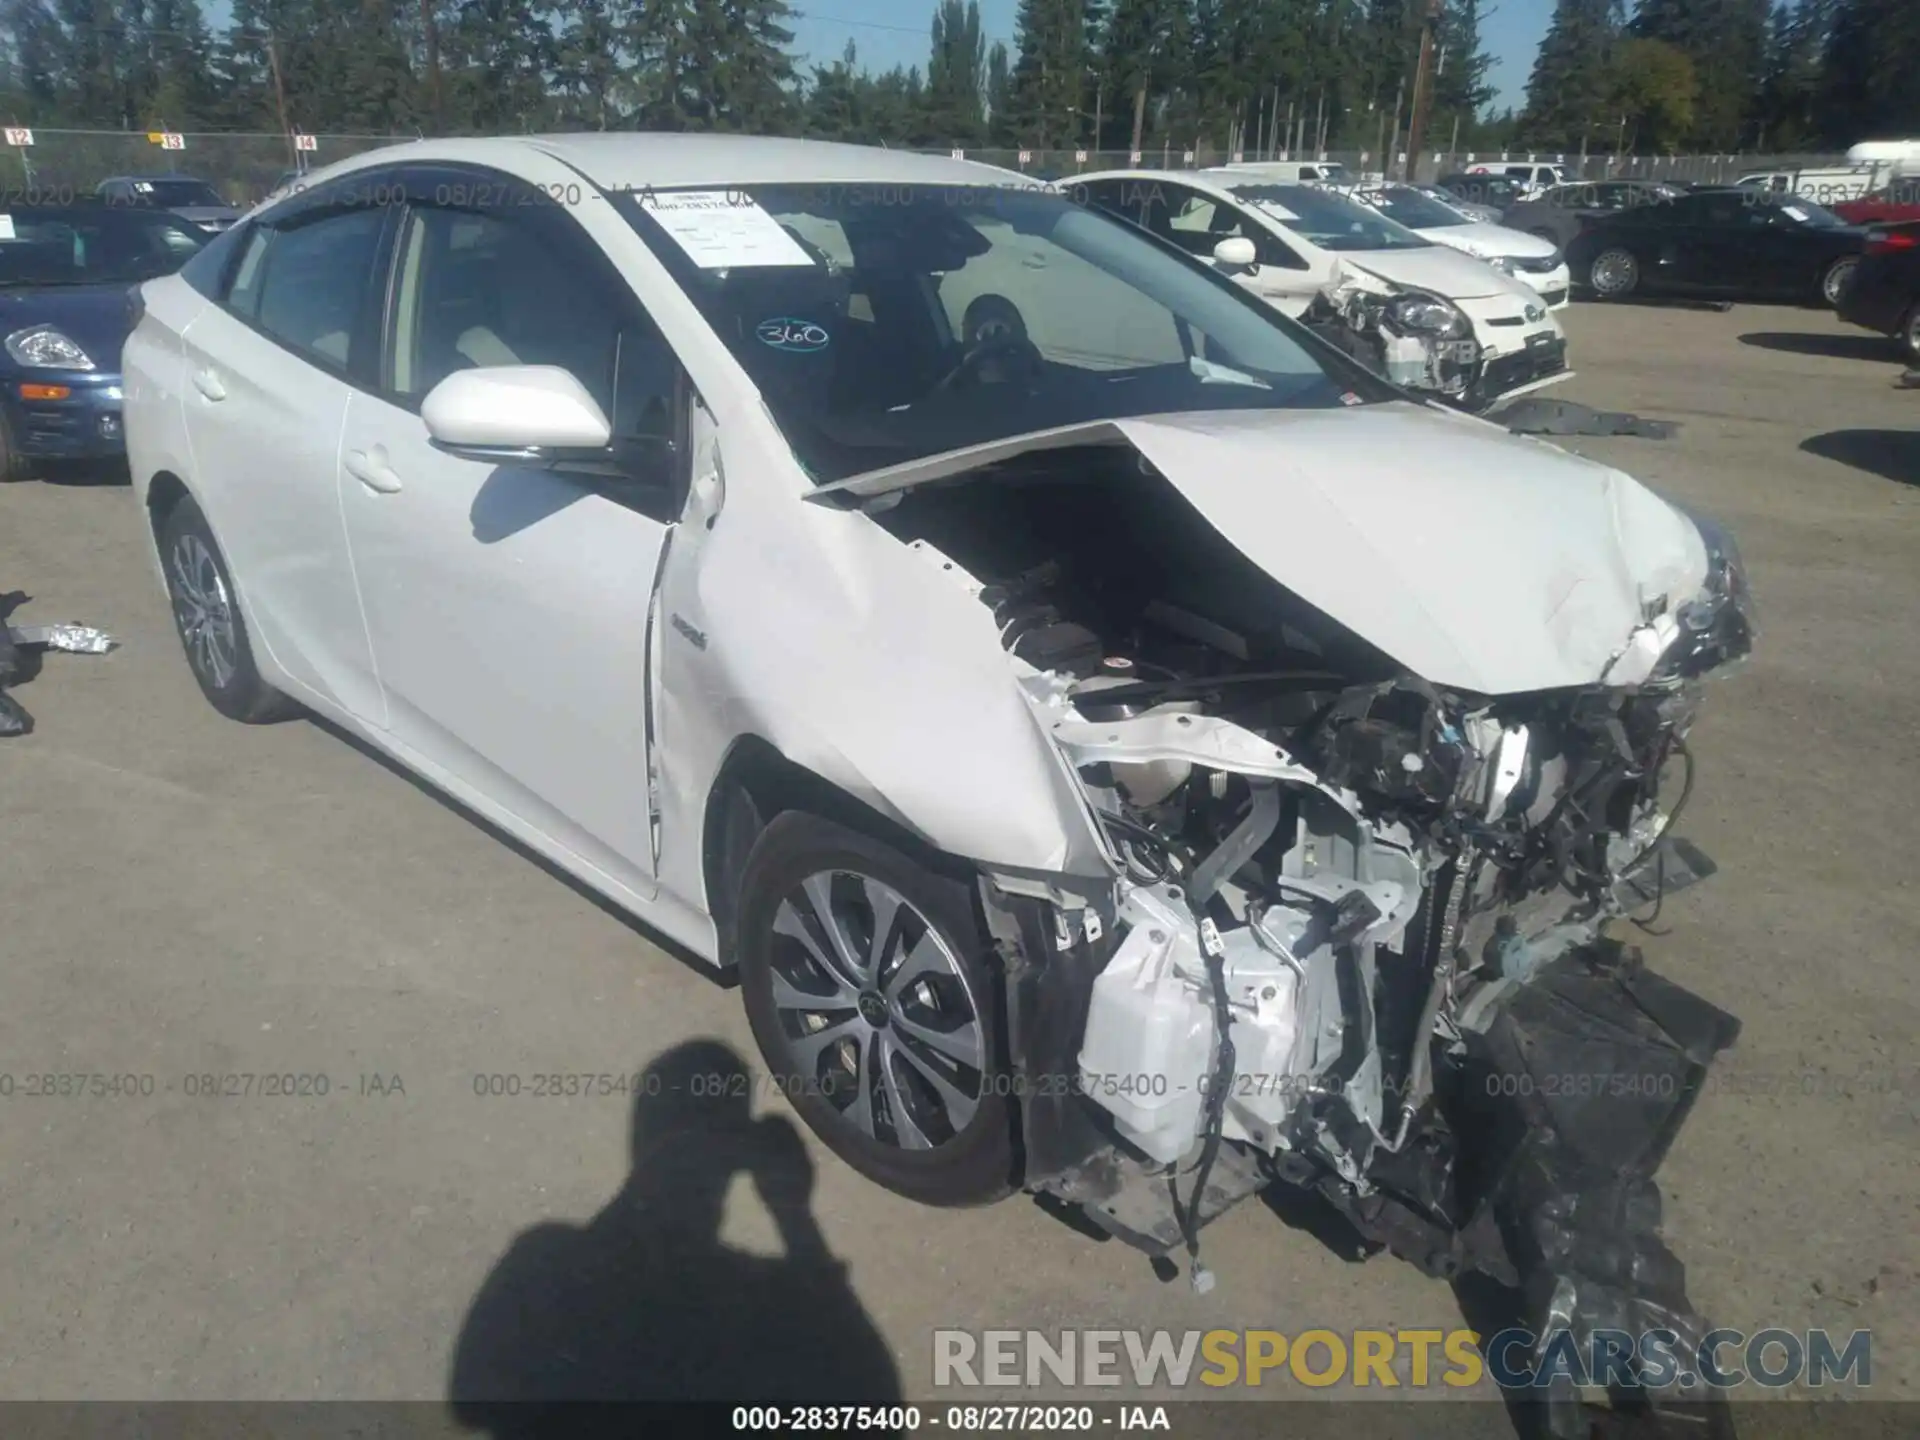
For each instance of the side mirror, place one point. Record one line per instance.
(531, 414)
(1236, 252)
(539, 417)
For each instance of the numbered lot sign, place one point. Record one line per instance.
(19, 137)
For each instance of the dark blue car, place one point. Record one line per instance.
(65, 277)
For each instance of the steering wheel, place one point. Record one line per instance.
(993, 345)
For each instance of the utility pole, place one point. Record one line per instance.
(1422, 90)
(433, 67)
(280, 99)
(1393, 138)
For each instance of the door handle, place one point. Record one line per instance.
(370, 468)
(208, 384)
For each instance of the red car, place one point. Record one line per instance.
(1898, 201)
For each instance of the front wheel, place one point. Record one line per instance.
(870, 989)
(1834, 283)
(207, 616)
(1614, 274)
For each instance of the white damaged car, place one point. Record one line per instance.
(1127, 750)
(1426, 315)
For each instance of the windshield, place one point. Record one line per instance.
(1330, 221)
(177, 194)
(100, 247)
(1410, 207)
(885, 323)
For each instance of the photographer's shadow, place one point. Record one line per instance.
(644, 1302)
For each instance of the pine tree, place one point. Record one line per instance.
(1726, 40)
(956, 73)
(1000, 96)
(1872, 57)
(587, 63)
(1460, 89)
(1051, 97)
(1568, 93)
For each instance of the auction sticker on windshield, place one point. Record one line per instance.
(723, 229)
(6, 227)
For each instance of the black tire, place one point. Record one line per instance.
(1909, 336)
(801, 859)
(991, 317)
(207, 617)
(1833, 281)
(13, 465)
(1614, 273)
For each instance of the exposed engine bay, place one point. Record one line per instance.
(1358, 929)
(1417, 341)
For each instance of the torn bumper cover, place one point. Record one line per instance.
(1425, 343)
(78, 639)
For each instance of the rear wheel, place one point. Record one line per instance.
(1614, 274)
(1909, 336)
(207, 616)
(1833, 284)
(868, 983)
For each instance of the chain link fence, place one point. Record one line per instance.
(1061, 164)
(62, 164)
(244, 167)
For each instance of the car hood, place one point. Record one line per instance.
(1439, 268)
(94, 316)
(1478, 559)
(1487, 241)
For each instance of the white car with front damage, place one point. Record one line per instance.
(1140, 756)
(1537, 263)
(1430, 318)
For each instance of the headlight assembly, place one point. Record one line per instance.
(45, 347)
(1419, 314)
(1503, 263)
(1716, 626)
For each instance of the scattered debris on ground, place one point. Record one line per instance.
(1534, 415)
(15, 639)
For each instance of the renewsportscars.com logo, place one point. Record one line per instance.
(1513, 1359)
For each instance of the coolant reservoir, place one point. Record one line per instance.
(1149, 1041)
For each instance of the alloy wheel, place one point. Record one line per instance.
(1835, 283)
(876, 1011)
(203, 610)
(1615, 272)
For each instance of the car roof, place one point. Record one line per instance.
(638, 159)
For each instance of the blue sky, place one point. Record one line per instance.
(894, 32)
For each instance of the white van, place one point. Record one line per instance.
(1828, 186)
(1294, 172)
(1900, 158)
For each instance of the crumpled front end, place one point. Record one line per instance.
(1418, 340)
(1357, 941)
